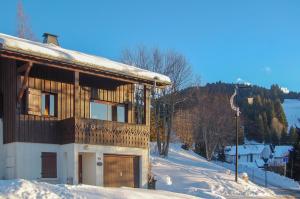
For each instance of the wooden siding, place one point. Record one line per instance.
(9, 90)
(73, 93)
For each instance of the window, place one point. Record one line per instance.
(49, 165)
(139, 97)
(100, 111)
(48, 104)
(119, 113)
(109, 112)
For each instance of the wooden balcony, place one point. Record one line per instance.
(98, 132)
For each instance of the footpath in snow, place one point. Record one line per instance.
(186, 172)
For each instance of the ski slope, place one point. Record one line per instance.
(292, 111)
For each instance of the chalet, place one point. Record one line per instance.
(70, 117)
(247, 153)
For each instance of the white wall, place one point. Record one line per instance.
(69, 162)
(100, 150)
(89, 168)
(23, 160)
(243, 158)
(2, 161)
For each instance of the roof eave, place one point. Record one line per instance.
(159, 83)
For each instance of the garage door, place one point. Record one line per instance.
(121, 170)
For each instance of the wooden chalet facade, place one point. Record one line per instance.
(69, 117)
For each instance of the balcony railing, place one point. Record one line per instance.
(98, 132)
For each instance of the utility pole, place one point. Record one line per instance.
(237, 144)
(235, 108)
(237, 114)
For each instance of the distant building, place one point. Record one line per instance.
(281, 154)
(247, 153)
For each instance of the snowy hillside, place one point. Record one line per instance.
(186, 172)
(292, 111)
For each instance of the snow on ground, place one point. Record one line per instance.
(183, 174)
(16, 189)
(292, 111)
(257, 175)
(186, 172)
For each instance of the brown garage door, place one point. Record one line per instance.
(121, 170)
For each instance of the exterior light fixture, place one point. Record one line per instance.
(250, 100)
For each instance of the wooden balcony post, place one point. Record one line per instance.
(76, 95)
(147, 105)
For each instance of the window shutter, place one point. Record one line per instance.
(33, 101)
(49, 165)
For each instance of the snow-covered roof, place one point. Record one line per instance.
(53, 52)
(245, 149)
(282, 151)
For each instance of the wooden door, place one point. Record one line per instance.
(80, 169)
(121, 170)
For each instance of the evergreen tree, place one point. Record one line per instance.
(280, 113)
(293, 136)
(260, 128)
(284, 138)
(274, 137)
(294, 160)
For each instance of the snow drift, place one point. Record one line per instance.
(16, 189)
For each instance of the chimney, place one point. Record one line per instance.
(50, 39)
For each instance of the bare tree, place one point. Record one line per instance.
(215, 124)
(23, 27)
(184, 126)
(206, 119)
(175, 66)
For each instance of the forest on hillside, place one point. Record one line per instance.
(206, 119)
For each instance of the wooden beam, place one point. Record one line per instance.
(24, 83)
(76, 96)
(24, 67)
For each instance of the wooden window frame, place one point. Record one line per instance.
(113, 109)
(46, 161)
(55, 104)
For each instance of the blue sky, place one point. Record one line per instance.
(257, 41)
